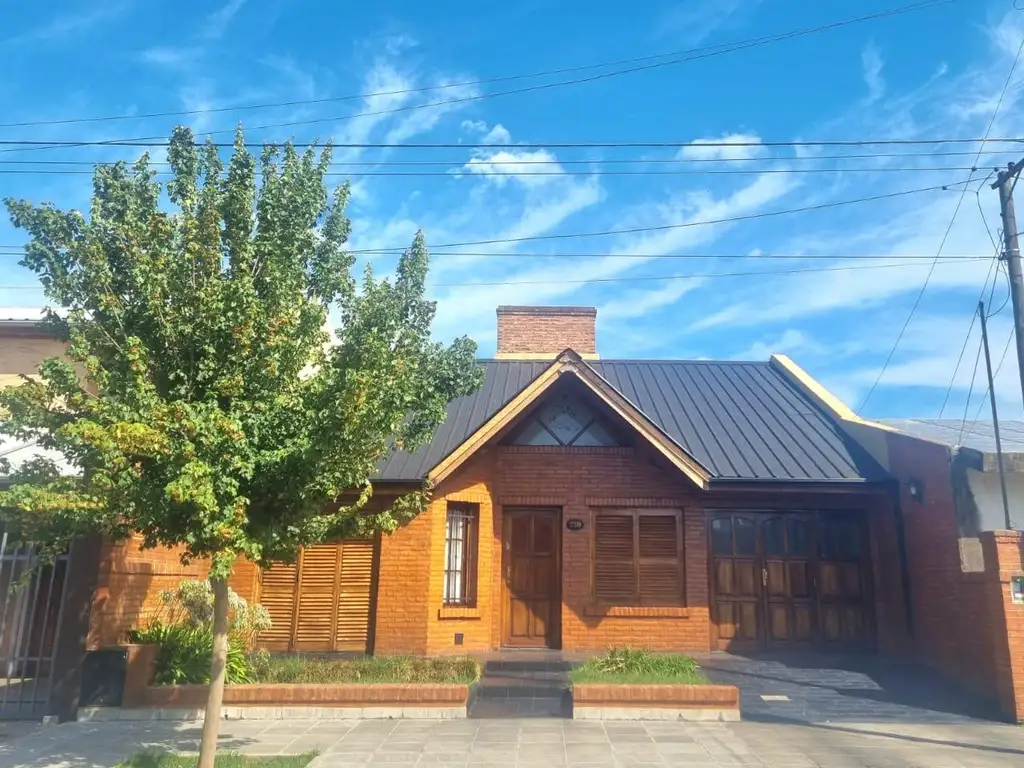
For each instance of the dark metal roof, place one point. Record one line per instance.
(741, 421)
(955, 432)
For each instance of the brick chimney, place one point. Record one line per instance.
(542, 333)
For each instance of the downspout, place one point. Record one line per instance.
(901, 545)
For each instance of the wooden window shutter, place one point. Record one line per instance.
(318, 581)
(614, 565)
(660, 559)
(353, 628)
(277, 595)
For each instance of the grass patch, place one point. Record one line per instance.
(368, 669)
(631, 665)
(224, 760)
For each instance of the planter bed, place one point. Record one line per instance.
(625, 701)
(636, 684)
(315, 697)
(308, 701)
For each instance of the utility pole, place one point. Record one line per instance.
(995, 415)
(1005, 182)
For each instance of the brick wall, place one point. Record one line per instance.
(546, 331)
(1004, 558)
(130, 581)
(963, 621)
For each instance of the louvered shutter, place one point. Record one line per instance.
(353, 625)
(614, 566)
(660, 564)
(318, 580)
(277, 595)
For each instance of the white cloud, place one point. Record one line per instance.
(733, 146)
(430, 111)
(790, 342)
(638, 303)
(216, 24)
(499, 167)
(171, 57)
(63, 26)
(872, 65)
(473, 126)
(472, 305)
(692, 21)
(497, 135)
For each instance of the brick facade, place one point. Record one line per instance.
(130, 582)
(580, 482)
(544, 332)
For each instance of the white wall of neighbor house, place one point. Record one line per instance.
(989, 500)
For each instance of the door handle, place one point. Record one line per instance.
(508, 574)
(764, 577)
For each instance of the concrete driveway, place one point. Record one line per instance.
(811, 688)
(543, 742)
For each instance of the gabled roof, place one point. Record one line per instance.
(737, 421)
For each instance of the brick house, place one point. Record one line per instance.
(581, 502)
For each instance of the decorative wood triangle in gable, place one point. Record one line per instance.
(569, 362)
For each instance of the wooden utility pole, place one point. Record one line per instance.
(995, 415)
(1005, 182)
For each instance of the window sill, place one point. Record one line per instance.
(638, 611)
(451, 612)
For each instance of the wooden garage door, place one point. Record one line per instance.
(322, 602)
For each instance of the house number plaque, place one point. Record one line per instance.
(574, 524)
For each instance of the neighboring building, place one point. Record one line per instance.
(961, 560)
(582, 502)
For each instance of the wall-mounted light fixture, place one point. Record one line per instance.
(916, 490)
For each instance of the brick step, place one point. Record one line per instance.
(521, 706)
(505, 689)
(505, 666)
(538, 677)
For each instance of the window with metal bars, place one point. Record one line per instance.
(638, 558)
(460, 546)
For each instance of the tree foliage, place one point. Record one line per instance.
(201, 399)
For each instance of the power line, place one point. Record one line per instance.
(666, 227)
(17, 250)
(698, 143)
(684, 225)
(967, 339)
(945, 235)
(761, 273)
(703, 52)
(970, 390)
(559, 161)
(1002, 359)
(647, 278)
(468, 172)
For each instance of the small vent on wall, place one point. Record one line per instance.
(458, 638)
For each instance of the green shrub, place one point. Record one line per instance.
(637, 665)
(185, 653)
(184, 632)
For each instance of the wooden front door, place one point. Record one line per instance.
(788, 580)
(531, 547)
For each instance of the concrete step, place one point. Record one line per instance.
(505, 666)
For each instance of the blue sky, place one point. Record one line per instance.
(933, 73)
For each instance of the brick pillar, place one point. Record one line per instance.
(1004, 559)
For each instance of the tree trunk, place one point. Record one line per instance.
(218, 668)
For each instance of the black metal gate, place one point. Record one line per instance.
(31, 602)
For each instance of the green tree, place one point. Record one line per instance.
(201, 399)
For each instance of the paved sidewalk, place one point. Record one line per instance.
(540, 742)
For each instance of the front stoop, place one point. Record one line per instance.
(522, 688)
